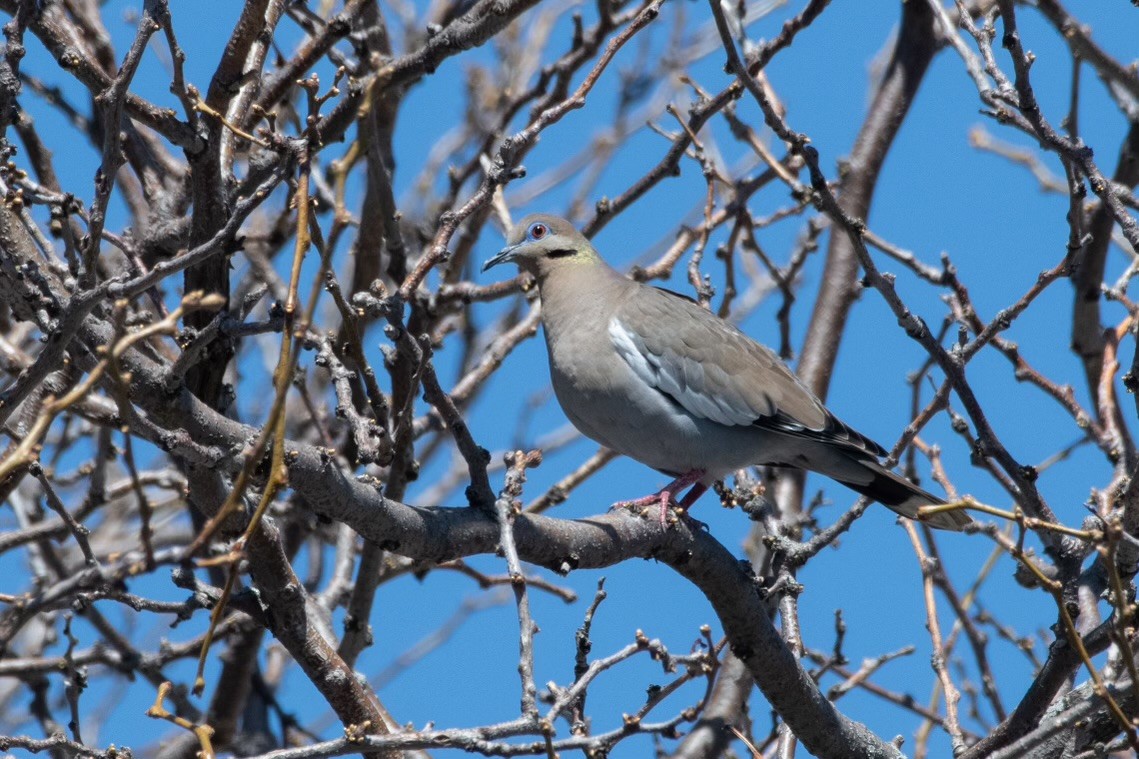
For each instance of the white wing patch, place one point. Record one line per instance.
(681, 379)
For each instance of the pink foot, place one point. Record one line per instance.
(668, 493)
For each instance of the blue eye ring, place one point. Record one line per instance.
(537, 231)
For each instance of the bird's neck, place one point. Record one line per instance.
(581, 296)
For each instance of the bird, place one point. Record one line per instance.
(655, 376)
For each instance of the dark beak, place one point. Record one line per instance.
(503, 256)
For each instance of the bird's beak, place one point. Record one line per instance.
(503, 256)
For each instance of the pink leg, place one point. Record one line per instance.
(692, 496)
(669, 492)
(686, 502)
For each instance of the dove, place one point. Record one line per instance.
(654, 376)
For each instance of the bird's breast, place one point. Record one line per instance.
(605, 399)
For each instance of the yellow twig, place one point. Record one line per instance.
(1017, 516)
(201, 105)
(203, 732)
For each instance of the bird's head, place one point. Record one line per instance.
(541, 244)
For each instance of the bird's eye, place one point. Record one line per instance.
(537, 231)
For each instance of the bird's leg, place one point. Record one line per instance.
(692, 496)
(686, 502)
(669, 492)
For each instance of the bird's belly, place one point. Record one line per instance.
(647, 426)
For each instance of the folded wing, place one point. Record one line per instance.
(716, 372)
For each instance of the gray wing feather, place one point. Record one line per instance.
(716, 372)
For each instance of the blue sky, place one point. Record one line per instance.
(936, 194)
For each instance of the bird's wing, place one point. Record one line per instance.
(716, 372)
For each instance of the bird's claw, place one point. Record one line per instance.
(666, 496)
(663, 500)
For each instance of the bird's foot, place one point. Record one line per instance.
(668, 493)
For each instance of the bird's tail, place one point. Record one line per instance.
(873, 480)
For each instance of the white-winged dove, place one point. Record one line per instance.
(653, 375)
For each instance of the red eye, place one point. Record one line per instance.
(537, 231)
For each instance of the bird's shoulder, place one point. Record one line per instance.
(671, 324)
